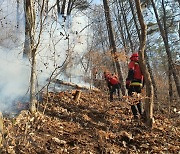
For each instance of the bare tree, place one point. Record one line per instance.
(58, 6)
(126, 25)
(63, 7)
(29, 50)
(145, 54)
(149, 88)
(30, 46)
(164, 34)
(70, 6)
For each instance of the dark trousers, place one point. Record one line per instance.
(114, 88)
(138, 107)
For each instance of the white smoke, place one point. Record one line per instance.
(14, 78)
(52, 51)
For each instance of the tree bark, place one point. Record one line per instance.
(134, 18)
(29, 27)
(170, 85)
(164, 34)
(113, 45)
(149, 87)
(58, 7)
(151, 75)
(18, 14)
(33, 100)
(30, 49)
(120, 28)
(63, 7)
(70, 5)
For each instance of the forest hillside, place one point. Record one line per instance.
(90, 125)
(46, 45)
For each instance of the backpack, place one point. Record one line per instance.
(114, 80)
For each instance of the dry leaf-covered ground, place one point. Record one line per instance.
(93, 125)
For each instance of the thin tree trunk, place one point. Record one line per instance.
(33, 100)
(29, 48)
(149, 87)
(113, 45)
(18, 14)
(151, 75)
(134, 18)
(126, 25)
(145, 54)
(170, 85)
(69, 8)
(179, 30)
(164, 35)
(63, 7)
(28, 28)
(122, 34)
(169, 67)
(120, 28)
(58, 7)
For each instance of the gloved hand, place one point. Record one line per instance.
(128, 82)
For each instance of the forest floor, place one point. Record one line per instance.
(92, 125)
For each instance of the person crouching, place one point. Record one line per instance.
(115, 85)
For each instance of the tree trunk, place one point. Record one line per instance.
(151, 75)
(120, 28)
(122, 34)
(63, 7)
(134, 18)
(126, 25)
(69, 8)
(18, 14)
(164, 35)
(170, 85)
(145, 54)
(149, 87)
(58, 7)
(33, 100)
(29, 27)
(113, 45)
(30, 49)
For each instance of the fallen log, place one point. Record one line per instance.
(57, 81)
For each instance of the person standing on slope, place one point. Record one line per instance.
(135, 83)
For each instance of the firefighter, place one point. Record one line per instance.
(115, 86)
(135, 83)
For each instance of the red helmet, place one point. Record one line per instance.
(134, 57)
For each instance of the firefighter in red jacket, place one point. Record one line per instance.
(115, 86)
(134, 83)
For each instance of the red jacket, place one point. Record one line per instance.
(114, 80)
(137, 74)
